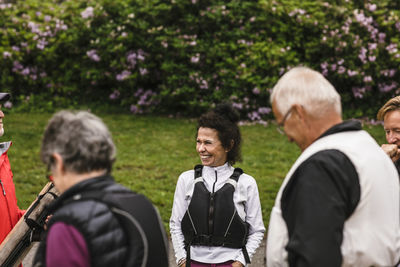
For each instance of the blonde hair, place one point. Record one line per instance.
(392, 104)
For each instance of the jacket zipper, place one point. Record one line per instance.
(211, 210)
(2, 187)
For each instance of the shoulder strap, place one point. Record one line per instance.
(236, 174)
(198, 170)
(198, 173)
(235, 177)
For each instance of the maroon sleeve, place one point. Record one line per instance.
(66, 247)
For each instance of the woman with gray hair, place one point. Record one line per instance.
(85, 229)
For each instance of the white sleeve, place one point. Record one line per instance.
(179, 208)
(255, 220)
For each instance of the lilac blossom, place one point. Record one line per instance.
(324, 68)
(141, 55)
(34, 27)
(88, 12)
(371, 7)
(254, 116)
(4, 6)
(92, 54)
(372, 46)
(203, 84)
(123, 75)
(25, 71)
(47, 18)
(264, 110)
(134, 109)
(131, 58)
(358, 92)
(41, 44)
(397, 25)
(237, 105)
(195, 59)
(17, 66)
(392, 48)
(363, 55)
(386, 73)
(138, 92)
(143, 71)
(367, 79)
(8, 105)
(297, 11)
(114, 95)
(346, 28)
(15, 48)
(352, 73)
(381, 37)
(164, 44)
(374, 122)
(341, 70)
(6, 54)
(383, 87)
(145, 98)
(256, 91)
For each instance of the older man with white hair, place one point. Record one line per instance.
(339, 203)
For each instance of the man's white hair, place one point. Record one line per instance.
(306, 87)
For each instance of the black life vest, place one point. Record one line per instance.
(212, 219)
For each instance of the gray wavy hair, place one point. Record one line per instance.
(306, 87)
(82, 139)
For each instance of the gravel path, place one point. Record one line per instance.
(258, 258)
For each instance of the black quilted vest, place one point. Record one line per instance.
(103, 234)
(212, 219)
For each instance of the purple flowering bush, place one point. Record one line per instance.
(181, 57)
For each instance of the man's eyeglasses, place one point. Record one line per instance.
(281, 125)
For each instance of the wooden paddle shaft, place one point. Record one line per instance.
(17, 244)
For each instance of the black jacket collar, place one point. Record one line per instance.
(350, 125)
(96, 183)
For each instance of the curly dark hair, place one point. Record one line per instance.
(223, 118)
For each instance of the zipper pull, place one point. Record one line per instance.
(2, 187)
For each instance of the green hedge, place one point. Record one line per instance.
(180, 57)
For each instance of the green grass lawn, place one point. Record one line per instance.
(151, 154)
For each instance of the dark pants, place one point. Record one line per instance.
(223, 264)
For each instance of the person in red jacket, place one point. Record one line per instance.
(9, 211)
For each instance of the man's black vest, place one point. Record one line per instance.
(212, 219)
